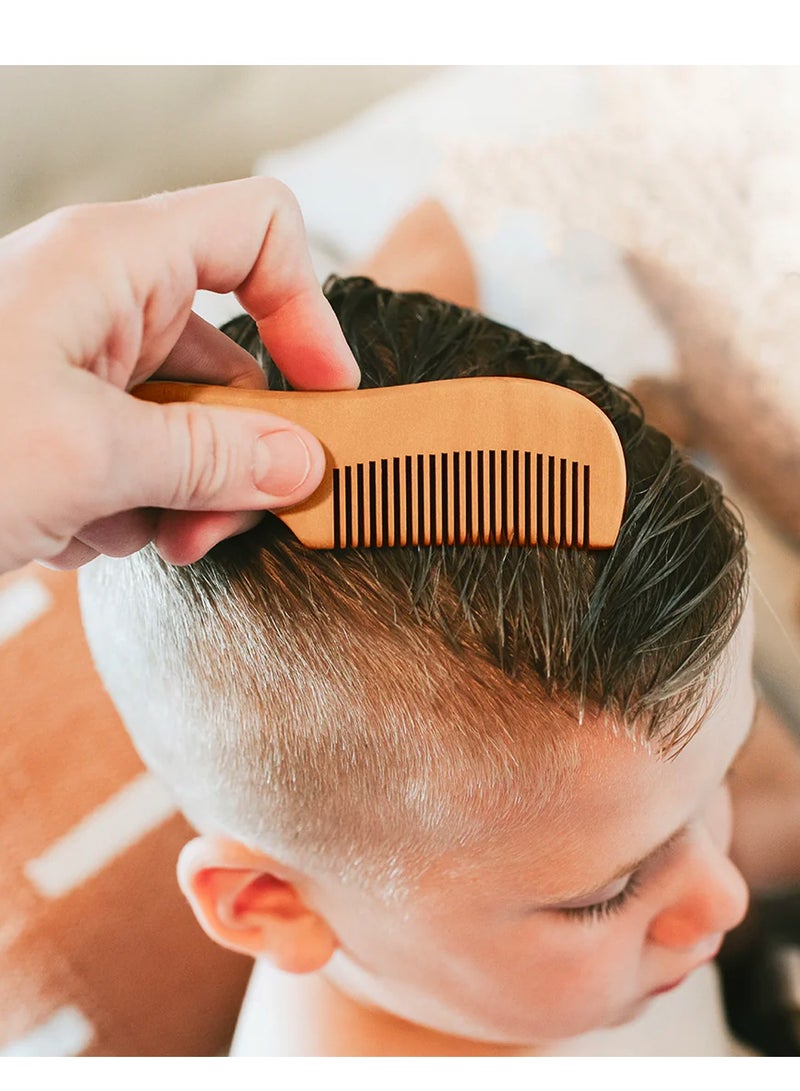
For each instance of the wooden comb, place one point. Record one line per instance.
(489, 460)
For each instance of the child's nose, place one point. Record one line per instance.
(711, 897)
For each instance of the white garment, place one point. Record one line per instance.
(687, 1022)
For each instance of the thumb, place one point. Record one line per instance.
(193, 457)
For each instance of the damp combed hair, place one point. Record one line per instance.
(363, 709)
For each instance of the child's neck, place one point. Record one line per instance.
(368, 1030)
(292, 1015)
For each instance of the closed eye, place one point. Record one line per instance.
(602, 910)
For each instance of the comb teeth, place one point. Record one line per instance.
(476, 497)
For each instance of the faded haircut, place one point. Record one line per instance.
(362, 710)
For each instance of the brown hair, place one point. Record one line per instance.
(350, 706)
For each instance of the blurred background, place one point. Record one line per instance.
(72, 134)
(644, 219)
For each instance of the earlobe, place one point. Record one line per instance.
(244, 901)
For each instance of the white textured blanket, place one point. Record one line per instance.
(645, 219)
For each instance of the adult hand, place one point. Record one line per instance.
(97, 298)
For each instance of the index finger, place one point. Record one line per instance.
(248, 237)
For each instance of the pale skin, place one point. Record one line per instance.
(97, 298)
(483, 958)
(478, 964)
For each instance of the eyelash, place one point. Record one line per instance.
(602, 910)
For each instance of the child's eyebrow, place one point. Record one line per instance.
(673, 837)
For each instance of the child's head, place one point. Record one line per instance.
(426, 764)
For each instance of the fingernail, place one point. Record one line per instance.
(283, 462)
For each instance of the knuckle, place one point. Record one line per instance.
(72, 223)
(283, 195)
(205, 459)
(81, 234)
(281, 201)
(292, 214)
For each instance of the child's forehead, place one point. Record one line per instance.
(619, 800)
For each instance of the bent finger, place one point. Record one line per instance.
(121, 534)
(248, 237)
(76, 554)
(203, 354)
(183, 537)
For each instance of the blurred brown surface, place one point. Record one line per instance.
(121, 947)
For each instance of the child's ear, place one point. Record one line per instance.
(242, 903)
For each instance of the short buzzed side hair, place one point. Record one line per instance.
(361, 710)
